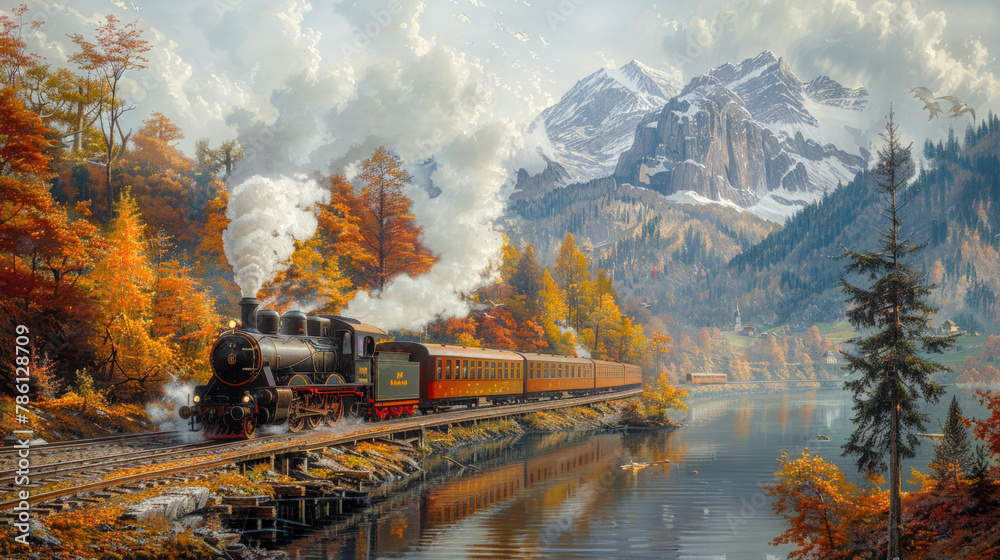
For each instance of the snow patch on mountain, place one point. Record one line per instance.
(593, 123)
(751, 134)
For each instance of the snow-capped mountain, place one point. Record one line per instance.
(595, 120)
(747, 134)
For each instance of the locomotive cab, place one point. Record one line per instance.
(355, 343)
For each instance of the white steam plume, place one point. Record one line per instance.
(431, 106)
(267, 217)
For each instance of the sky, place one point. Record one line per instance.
(451, 86)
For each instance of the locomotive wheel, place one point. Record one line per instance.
(249, 427)
(313, 422)
(334, 414)
(296, 423)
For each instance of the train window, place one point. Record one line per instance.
(480, 369)
(560, 371)
(347, 344)
(447, 369)
(545, 371)
(465, 369)
(493, 370)
(506, 370)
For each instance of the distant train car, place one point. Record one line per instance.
(551, 376)
(609, 375)
(707, 378)
(633, 375)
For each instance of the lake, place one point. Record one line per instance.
(567, 496)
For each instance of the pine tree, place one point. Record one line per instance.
(953, 455)
(980, 481)
(891, 316)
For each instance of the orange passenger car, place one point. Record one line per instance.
(455, 375)
(551, 376)
(609, 375)
(633, 375)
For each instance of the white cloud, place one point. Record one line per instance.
(315, 86)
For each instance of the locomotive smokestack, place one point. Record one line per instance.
(248, 313)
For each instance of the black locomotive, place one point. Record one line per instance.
(301, 370)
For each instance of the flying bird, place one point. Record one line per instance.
(959, 107)
(927, 96)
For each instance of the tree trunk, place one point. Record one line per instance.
(895, 513)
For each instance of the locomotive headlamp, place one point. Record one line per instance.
(232, 323)
(246, 397)
(197, 399)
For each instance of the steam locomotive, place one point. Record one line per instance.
(301, 370)
(306, 370)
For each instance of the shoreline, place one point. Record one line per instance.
(194, 517)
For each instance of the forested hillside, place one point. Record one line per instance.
(791, 276)
(665, 256)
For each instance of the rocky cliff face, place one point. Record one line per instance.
(715, 140)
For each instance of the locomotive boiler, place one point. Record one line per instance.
(303, 370)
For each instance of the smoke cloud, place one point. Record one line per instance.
(267, 217)
(426, 103)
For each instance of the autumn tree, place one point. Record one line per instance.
(527, 283)
(184, 317)
(892, 316)
(212, 161)
(658, 399)
(130, 360)
(572, 272)
(554, 311)
(953, 454)
(119, 49)
(660, 344)
(210, 257)
(991, 349)
(157, 172)
(14, 55)
(383, 240)
(739, 368)
(43, 249)
(816, 499)
(311, 281)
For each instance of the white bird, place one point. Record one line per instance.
(927, 96)
(959, 107)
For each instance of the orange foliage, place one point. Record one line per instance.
(156, 169)
(184, 314)
(382, 240)
(815, 498)
(988, 429)
(43, 252)
(991, 350)
(131, 360)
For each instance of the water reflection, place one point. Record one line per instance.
(566, 496)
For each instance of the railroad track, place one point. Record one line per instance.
(91, 442)
(218, 454)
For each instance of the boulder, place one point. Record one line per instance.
(171, 505)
